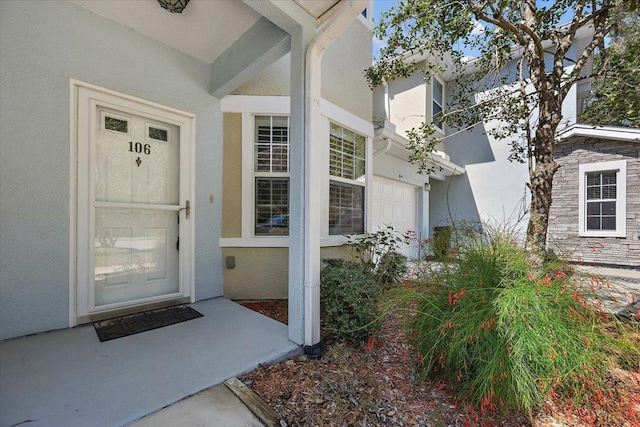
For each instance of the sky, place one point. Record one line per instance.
(379, 6)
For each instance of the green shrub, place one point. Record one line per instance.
(391, 268)
(442, 242)
(350, 299)
(378, 254)
(507, 334)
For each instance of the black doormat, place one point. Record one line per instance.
(142, 322)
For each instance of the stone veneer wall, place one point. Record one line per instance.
(563, 218)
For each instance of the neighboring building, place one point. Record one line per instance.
(476, 183)
(595, 214)
(145, 153)
(402, 197)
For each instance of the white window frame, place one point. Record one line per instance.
(249, 106)
(441, 103)
(359, 182)
(259, 174)
(620, 167)
(367, 20)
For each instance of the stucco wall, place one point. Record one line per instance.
(42, 45)
(408, 102)
(232, 179)
(259, 273)
(263, 273)
(272, 81)
(343, 81)
(343, 65)
(493, 189)
(563, 217)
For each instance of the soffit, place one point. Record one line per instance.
(317, 8)
(203, 30)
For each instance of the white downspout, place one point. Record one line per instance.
(315, 173)
(383, 150)
(387, 109)
(387, 103)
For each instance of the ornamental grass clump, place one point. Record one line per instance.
(508, 334)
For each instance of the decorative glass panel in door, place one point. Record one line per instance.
(136, 206)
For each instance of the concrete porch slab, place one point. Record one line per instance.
(69, 378)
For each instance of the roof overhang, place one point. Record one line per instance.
(604, 132)
(237, 38)
(398, 146)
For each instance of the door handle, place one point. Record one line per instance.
(187, 209)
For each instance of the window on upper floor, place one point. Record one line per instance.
(366, 15)
(602, 198)
(271, 175)
(437, 102)
(347, 150)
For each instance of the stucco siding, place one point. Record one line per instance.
(343, 65)
(259, 273)
(272, 81)
(493, 189)
(563, 217)
(408, 102)
(232, 179)
(263, 273)
(343, 81)
(42, 46)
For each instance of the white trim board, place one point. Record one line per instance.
(620, 166)
(274, 105)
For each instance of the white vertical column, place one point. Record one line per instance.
(299, 42)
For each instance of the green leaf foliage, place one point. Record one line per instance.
(616, 92)
(350, 298)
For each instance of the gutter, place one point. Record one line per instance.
(450, 168)
(314, 173)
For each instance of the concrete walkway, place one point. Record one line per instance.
(69, 378)
(216, 406)
(618, 289)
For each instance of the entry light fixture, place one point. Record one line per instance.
(174, 6)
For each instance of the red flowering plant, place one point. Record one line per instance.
(509, 334)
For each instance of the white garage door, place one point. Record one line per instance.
(396, 204)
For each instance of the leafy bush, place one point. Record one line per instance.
(507, 334)
(378, 253)
(391, 268)
(350, 299)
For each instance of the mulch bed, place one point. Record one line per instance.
(275, 309)
(373, 384)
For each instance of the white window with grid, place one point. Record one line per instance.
(602, 198)
(347, 154)
(271, 175)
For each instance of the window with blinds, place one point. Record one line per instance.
(271, 175)
(347, 152)
(601, 200)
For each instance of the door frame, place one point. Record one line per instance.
(87, 96)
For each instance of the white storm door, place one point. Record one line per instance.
(134, 208)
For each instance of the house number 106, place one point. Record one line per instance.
(139, 148)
